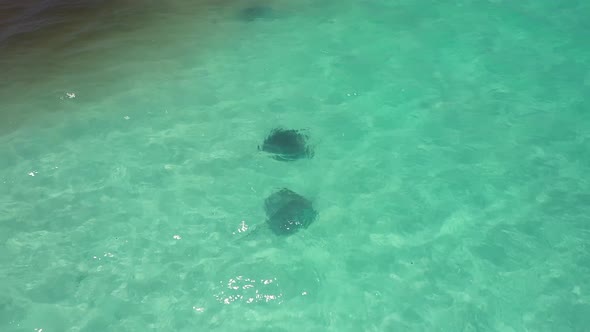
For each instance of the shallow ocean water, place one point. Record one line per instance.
(450, 166)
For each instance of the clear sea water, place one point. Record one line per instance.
(450, 171)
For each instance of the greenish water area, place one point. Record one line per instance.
(450, 167)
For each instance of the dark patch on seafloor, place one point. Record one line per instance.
(287, 212)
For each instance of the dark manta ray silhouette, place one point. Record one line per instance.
(255, 12)
(287, 212)
(287, 144)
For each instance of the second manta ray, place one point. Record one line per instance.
(287, 212)
(287, 144)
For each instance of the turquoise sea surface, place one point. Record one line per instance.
(450, 174)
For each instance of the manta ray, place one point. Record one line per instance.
(287, 212)
(255, 12)
(287, 144)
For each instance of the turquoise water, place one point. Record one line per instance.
(450, 170)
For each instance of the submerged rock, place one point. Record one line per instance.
(287, 212)
(287, 144)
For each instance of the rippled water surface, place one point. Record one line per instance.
(449, 170)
